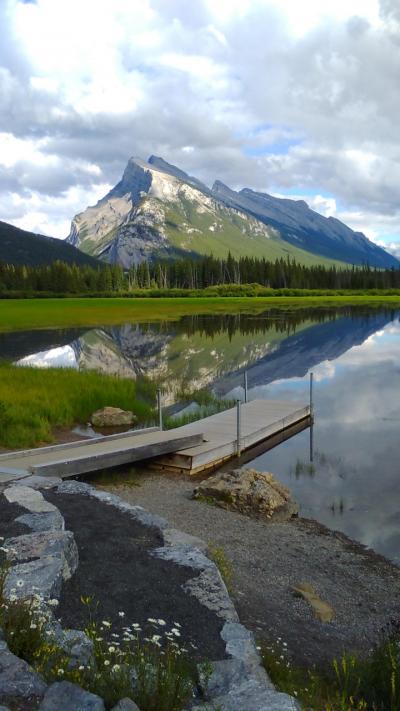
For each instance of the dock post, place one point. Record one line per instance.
(160, 422)
(311, 418)
(245, 385)
(238, 428)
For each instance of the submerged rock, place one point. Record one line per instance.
(112, 417)
(250, 492)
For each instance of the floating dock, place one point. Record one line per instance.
(262, 422)
(198, 447)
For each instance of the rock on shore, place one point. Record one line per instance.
(253, 493)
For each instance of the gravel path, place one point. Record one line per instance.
(268, 559)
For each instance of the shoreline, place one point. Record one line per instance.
(269, 559)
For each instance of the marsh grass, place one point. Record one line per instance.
(34, 401)
(352, 684)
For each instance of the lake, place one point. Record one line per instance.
(353, 483)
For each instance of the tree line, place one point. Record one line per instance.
(190, 273)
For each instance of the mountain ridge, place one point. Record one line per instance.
(158, 211)
(21, 247)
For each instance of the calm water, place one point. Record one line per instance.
(354, 483)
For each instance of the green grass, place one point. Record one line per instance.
(351, 684)
(25, 314)
(34, 401)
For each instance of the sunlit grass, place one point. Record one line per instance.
(34, 401)
(25, 314)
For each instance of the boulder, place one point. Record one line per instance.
(31, 546)
(250, 492)
(42, 576)
(49, 521)
(65, 696)
(19, 684)
(126, 705)
(112, 417)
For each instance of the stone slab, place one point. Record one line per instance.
(43, 577)
(65, 696)
(42, 544)
(51, 521)
(18, 682)
(39, 482)
(29, 499)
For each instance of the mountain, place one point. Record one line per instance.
(305, 228)
(159, 211)
(22, 247)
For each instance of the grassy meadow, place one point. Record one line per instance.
(34, 401)
(26, 314)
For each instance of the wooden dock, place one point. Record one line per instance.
(66, 460)
(263, 422)
(200, 446)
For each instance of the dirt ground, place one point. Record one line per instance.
(268, 559)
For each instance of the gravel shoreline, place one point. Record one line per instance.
(268, 559)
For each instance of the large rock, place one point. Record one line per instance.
(250, 492)
(112, 417)
(49, 521)
(19, 684)
(29, 499)
(61, 544)
(42, 576)
(65, 696)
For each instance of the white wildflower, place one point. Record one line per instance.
(53, 602)
(121, 614)
(175, 632)
(161, 622)
(105, 623)
(106, 662)
(116, 667)
(33, 626)
(111, 649)
(81, 668)
(60, 671)
(151, 619)
(155, 638)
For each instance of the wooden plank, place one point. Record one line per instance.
(94, 462)
(78, 443)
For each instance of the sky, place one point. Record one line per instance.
(294, 99)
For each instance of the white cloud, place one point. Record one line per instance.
(270, 94)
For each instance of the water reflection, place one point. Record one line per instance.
(353, 483)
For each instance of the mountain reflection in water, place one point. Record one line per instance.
(353, 484)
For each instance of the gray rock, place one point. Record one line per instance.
(125, 705)
(43, 576)
(78, 645)
(60, 544)
(28, 498)
(39, 482)
(210, 590)
(74, 487)
(173, 537)
(52, 521)
(65, 696)
(18, 682)
(112, 417)
(249, 697)
(250, 492)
